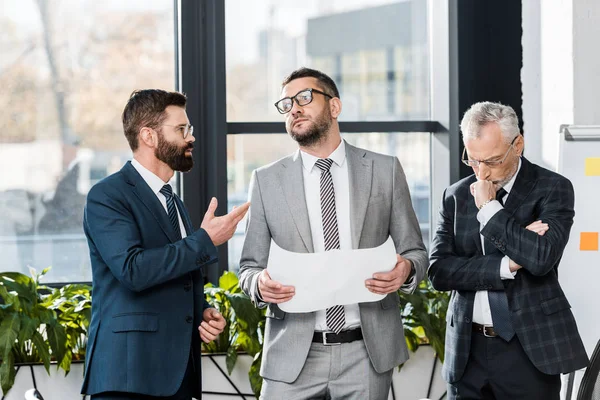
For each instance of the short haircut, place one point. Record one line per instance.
(147, 108)
(483, 113)
(327, 84)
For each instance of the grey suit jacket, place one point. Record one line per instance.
(380, 207)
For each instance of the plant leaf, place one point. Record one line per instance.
(254, 375)
(42, 349)
(231, 358)
(9, 330)
(57, 338)
(228, 281)
(7, 373)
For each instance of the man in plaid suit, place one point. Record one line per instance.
(501, 234)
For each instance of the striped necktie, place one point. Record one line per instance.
(167, 191)
(334, 316)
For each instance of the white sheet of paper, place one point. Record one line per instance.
(329, 278)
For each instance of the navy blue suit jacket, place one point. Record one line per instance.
(539, 310)
(148, 295)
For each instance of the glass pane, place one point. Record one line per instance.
(377, 52)
(248, 152)
(66, 72)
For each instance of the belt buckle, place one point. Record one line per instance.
(326, 343)
(484, 329)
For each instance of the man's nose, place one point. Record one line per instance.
(296, 109)
(483, 172)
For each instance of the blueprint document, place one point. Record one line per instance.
(329, 278)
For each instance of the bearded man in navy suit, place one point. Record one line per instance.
(148, 310)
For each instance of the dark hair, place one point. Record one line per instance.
(146, 108)
(327, 84)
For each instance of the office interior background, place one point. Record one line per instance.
(407, 71)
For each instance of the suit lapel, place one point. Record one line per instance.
(291, 180)
(524, 184)
(360, 175)
(149, 199)
(473, 223)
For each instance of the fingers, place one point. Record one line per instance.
(538, 227)
(209, 332)
(212, 207)
(238, 213)
(272, 291)
(383, 287)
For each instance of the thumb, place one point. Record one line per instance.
(212, 207)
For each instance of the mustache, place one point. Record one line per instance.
(190, 146)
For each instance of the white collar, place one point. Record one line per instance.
(338, 156)
(151, 179)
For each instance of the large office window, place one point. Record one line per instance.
(66, 71)
(377, 52)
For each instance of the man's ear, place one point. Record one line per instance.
(147, 137)
(335, 107)
(520, 144)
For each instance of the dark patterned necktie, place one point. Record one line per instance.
(497, 298)
(172, 209)
(334, 316)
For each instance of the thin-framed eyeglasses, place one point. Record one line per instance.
(303, 97)
(491, 164)
(184, 129)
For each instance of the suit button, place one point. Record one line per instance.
(189, 319)
(467, 320)
(187, 286)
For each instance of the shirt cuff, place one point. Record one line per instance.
(410, 285)
(505, 272)
(488, 211)
(255, 293)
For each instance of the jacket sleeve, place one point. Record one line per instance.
(451, 271)
(110, 225)
(257, 244)
(536, 254)
(404, 228)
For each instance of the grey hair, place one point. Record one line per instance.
(483, 113)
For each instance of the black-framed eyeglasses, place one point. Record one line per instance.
(302, 98)
(491, 164)
(184, 129)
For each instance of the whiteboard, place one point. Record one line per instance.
(579, 271)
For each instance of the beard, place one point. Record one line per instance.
(173, 155)
(315, 132)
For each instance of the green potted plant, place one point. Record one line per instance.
(39, 324)
(244, 326)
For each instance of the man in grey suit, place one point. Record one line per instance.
(329, 195)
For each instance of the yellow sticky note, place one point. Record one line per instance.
(588, 241)
(592, 166)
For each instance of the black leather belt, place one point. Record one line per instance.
(485, 330)
(328, 338)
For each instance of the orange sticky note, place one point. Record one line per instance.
(592, 167)
(588, 241)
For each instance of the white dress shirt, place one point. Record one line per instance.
(481, 308)
(312, 190)
(156, 184)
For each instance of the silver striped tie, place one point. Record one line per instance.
(334, 316)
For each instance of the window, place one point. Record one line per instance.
(66, 71)
(375, 51)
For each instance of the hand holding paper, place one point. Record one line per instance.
(272, 291)
(388, 282)
(335, 277)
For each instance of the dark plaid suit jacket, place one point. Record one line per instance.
(540, 311)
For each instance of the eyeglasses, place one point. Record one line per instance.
(302, 98)
(184, 129)
(491, 164)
